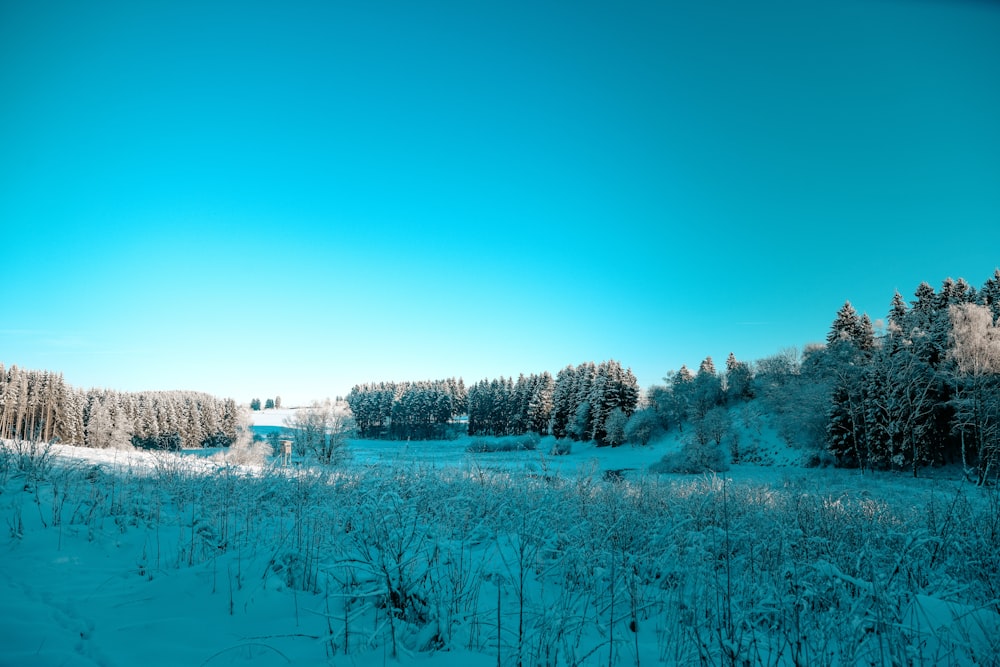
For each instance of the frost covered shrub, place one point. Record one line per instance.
(520, 443)
(254, 453)
(642, 426)
(695, 457)
(33, 459)
(818, 459)
(167, 442)
(561, 447)
(5, 463)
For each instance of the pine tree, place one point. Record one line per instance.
(540, 405)
(563, 404)
(844, 325)
(900, 401)
(897, 313)
(739, 379)
(600, 400)
(989, 295)
(680, 386)
(706, 392)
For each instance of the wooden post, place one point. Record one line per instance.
(286, 452)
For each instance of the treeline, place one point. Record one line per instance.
(593, 402)
(587, 402)
(269, 404)
(41, 406)
(407, 410)
(505, 407)
(919, 388)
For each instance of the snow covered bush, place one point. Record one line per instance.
(561, 447)
(694, 458)
(511, 443)
(642, 426)
(30, 458)
(702, 449)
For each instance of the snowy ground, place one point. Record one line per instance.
(420, 553)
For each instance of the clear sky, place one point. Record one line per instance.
(252, 199)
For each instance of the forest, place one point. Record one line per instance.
(41, 406)
(587, 402)
(917, 388)
(920, 389)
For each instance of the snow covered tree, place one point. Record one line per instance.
(322, 430)
(580, 425)
(680, 387)
(897, 313)
(850, 327)
(706, 391)
(739, 379)
(659, 398)
(563, 404)
(900, 396)
(614, 427)
(540, 404)
(989, 295)
(975, 351)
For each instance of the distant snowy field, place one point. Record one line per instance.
(419, 553)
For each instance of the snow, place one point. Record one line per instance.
(120, 557)
(272, 416)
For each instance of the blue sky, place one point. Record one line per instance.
(251, 199)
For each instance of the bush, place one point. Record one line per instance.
(642, 426)
(520, 443)
(33, 459)
(255, 452)
(695, 457)
(217, 440)
(561, 447)
(167, 442)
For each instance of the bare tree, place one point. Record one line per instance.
(322, 430)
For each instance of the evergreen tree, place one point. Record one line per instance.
(541, 403)
(680, 386)
(897, 313)
(563, 401)
(989, 295)
(739, 379)
(850, 327)
(706, 392)
(899, 402)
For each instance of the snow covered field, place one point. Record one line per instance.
(115, 558)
